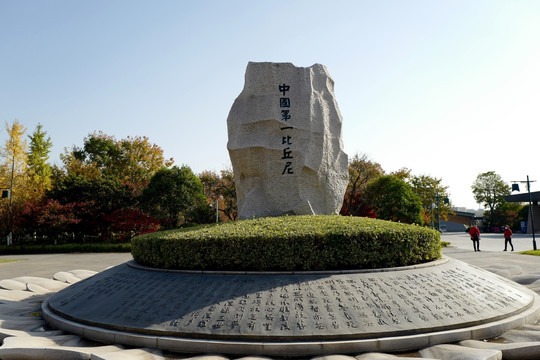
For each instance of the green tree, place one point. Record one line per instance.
(506, 214)
(221, 188)
(95, 199)
(402, 173)
(133, 160)
(361, 172)
(429, 189)
(39, 170)
(175, 195)
(489, 189)
(393, 199)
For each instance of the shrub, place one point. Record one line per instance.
(289, 243)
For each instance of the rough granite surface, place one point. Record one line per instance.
(285, 142)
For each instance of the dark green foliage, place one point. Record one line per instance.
(175, 195)
(94, 199)
(393, 199)
(105, 194)
(489, 189)
(40, 147)
(289, 243)
(99, 149)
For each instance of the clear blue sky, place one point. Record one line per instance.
(448, 89)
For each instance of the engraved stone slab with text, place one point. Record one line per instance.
(299, 307)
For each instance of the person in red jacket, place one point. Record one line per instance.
(475, 237)
(508, 237)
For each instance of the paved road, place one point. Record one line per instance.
(490, 242)
(49, 264)
(461, 248)
(491, 246)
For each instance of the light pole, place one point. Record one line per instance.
(446, 201)
(531, 212)
(6, 193)
(217, 206)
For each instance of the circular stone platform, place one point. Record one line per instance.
(293, 314)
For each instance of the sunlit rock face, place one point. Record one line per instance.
(285, 142)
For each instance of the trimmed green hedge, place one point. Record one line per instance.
(64, 248)
(289, 243)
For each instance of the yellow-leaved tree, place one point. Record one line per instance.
(13, 176)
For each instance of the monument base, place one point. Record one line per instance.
(292, 314)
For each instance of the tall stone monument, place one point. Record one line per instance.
(285, 142)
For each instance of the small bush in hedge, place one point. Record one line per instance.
(289, 243)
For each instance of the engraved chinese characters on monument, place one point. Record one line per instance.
(285, 142)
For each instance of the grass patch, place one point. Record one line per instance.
(531, 252)
(6, 261)
(64, 248)
(289, 243)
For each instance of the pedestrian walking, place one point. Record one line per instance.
(508, 238)
(475, 237)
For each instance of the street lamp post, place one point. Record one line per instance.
(217, 210)
(446, 201)
(531, 211)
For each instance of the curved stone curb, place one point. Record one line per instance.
(404, 343)
(120, 294)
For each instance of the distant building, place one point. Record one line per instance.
(524, 198)
(458, 222)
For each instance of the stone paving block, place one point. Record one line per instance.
(22, 324)
(534, 286)
(82, 274)
(42, 354)
(55, 342)
(510, 351)
(501, 272)
(526, 279)
(333, 357)
(15, 295)
(132, 354)
(38, 289)
(530, 327)
(49, 284)
(456, 352)
(208, 357)
(66, 277)
(521, 335)
(383, 356)
(17, 308)
(10, 284)
(513, 270)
